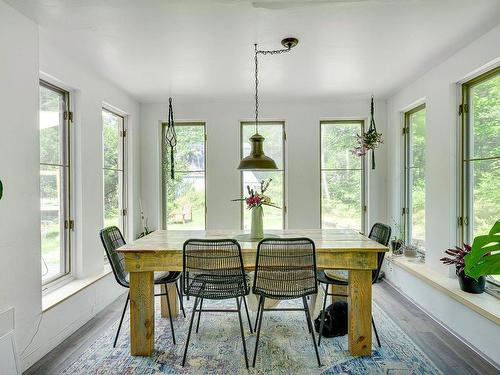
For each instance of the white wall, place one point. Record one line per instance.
(222, 118)
(20, 282)
(24, 51)
(440, 91)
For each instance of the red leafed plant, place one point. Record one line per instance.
(457, 257)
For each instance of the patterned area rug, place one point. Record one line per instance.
(285, 348)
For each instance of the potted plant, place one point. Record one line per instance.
(456, 257)
(484, 257)
(398, 241)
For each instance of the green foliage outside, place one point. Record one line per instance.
(485, 142)
(341, 176)
(185, 193)
(417, 176)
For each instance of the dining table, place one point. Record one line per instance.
(162, 250)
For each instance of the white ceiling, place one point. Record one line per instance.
(204, 48)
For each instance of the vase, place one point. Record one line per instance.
(470, 285)
(257, 228)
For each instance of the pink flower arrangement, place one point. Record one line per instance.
(257, 199)
(368, 141)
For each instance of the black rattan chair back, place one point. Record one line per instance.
(112, 239)
(380, 233)
(285, 268)
(213, 269)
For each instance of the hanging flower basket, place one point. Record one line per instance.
(369, 140)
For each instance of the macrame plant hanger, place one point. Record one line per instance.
(170, 136)
(372, 129)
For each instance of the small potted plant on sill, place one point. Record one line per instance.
(456, 257)
(398, 241)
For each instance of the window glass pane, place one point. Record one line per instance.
(273, 143)
(113, 198)
(186, 201)
(485, 118)
(273, 148)
(417, 166)
(485, 195)
(273, 217)
(51, 126)
(189, 153)
(342, 172)
(341, 197)
(337, 140)
(112, 144)
(52, 220)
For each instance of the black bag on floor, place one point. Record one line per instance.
(335, 320)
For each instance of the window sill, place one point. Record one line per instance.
(484, 304)
(61, 294)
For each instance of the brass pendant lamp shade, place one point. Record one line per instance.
(257, 160)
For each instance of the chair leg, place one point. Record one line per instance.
(121, 320)
(376, 333)
(323, 313)
(308, 317)
(258, 309)
(241, 329)
(248, 315)
(170, 314)
(189, 332)
(260, 312)
(179, 293)
(199, 316)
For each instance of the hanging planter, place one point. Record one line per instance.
(369, 140)
(170, 136)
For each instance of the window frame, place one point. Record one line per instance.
(163, 182)
(465, 209)
(363, 203)
(284, 209)
(407, 180)
(66, 251)
(124, 158)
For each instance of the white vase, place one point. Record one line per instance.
(257, 226)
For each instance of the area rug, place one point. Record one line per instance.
(285, 347)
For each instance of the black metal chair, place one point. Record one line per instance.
(112, 239)
(380, 233)
(285, 269)
(213, 270)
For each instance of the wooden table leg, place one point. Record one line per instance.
(360, 312)
(174, 305)
(142, 313)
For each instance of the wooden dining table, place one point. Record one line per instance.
(335, 249)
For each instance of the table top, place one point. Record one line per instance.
(341, 240)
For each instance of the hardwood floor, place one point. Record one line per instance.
(444, 349)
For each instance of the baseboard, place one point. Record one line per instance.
(442, 324)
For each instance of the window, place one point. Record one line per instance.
(274, 147)
(184, 199)
(113, 170)
(342, 176)
(414, 185)
(55, 167)
(480, 206)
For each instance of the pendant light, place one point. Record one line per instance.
(257, 160)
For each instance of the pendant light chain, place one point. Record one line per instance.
(262, 52)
